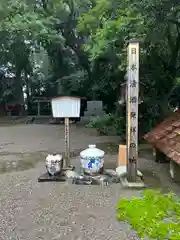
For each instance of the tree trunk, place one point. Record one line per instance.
(28, 100)
(165, 110)
(19, 96)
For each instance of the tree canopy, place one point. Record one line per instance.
(78, 47)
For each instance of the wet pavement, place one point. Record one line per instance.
(24, 147)
(32, 210)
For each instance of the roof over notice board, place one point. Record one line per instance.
(166, 137)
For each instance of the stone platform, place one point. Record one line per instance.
(75, 177)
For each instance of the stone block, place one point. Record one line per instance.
(174, 170)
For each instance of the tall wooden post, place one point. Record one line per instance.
(67, 144)
(132, 109)
(39, 109)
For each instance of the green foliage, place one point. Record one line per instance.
(30, 30)
(174, 97)
(155, 215)
(156, 25)
(109, 124)
(83, 44)
(99, 122)
(73, 84)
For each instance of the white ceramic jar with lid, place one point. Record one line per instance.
(92, 160)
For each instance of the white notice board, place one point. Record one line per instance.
(66, 107)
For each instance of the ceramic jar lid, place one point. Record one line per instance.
(92, 152)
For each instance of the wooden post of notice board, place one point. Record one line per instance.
(67, 143)
(66, 107)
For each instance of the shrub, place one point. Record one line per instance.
(108, 124)
(155, 215)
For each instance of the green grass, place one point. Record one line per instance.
(155, 215)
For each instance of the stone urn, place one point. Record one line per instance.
(54, 164)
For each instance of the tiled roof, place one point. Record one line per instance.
(166, 137)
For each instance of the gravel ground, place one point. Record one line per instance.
(31, 210)
(54, 211)
(58, 211)
(48, 138)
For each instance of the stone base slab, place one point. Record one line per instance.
(139, 184)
